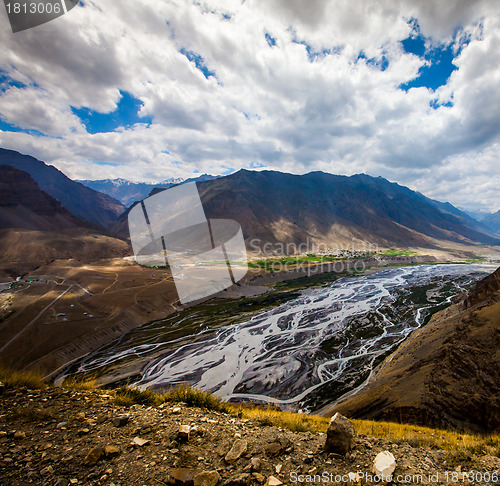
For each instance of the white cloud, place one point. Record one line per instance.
(308, 103)
(35, 109)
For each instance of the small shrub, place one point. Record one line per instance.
(195, 397)
(127, 396)
(265, 420)
(124, 401)
(17, 379)
(192, 397)
(74, 383)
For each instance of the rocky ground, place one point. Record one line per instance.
(61, 437)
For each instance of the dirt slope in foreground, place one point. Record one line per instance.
(46, 438)
(446, 374)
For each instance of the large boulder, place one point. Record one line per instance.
(340, 435)
(384, 465)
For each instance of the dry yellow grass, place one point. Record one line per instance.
(414, 435)
(297, 422)
(75, 384)
(17, 379)
(428, 438)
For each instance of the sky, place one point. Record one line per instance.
(152, 89)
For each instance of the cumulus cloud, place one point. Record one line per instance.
(282, 84)
(35, 109)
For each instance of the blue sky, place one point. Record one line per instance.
(126, 115)
(440, 67)
(151, 90)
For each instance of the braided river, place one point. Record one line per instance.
(301, 353)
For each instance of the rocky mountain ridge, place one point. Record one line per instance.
(24, 205)
(492, 222)
(336, 211)
(81, 201)
(128, 192)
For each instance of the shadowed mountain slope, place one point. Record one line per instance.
(24, 205)
(277, 207)
(83, 202)
(35, 229)
(492, 222)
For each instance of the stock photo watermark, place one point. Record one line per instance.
(25, 15)
(205, 255)
(310, 257)
(448, 477)
(170, 229)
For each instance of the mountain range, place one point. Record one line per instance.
(272, 207)
(279, 207)
(492, 222)
(477, 214)
(128, 192)
(275, 207)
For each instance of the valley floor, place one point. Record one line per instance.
(65, 309)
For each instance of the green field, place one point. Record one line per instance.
(397, 252)
(276, 263)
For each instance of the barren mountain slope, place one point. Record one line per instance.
(493, 222)
(446, 374)
(24, 205)
(36, 229)
(83, 202)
